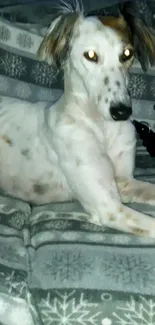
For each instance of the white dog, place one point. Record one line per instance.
(83, 147)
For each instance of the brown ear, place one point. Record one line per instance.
(143, 36)
(56, 45)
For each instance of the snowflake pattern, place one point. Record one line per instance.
(17, 220)
(134, 313)
(22, 90)
(137, 86)
(43, 74)
(66, 309)
(15, 285)
(69, 265)
(24, 40)
(60, 224)
(13, 65)
(4, 33)
(129, 270)
(92, 227)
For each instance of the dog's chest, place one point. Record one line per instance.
(118, 137)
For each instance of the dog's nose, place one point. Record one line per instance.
(120, 112)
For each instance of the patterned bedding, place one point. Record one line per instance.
(56, 268)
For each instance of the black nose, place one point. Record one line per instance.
(120, 112)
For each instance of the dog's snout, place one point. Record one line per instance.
(120, 112)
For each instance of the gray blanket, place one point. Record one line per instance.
(56, 268)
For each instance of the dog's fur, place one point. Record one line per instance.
(74, 149)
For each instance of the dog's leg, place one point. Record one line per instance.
(132, 190)
(90, 176)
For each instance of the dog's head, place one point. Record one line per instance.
(97, 52)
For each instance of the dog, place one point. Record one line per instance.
(83, 146)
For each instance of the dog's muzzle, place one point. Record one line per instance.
(120, 112)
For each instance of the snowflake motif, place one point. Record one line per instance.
(14, 284)
(24, 40)
(4, 84)
(60, 224)
(43, 74)
(17, 220)
(69, 265)
(23, 90)
(134, 313)
(129, 269)
(92, 227)
(152, 88)
(66, 309)
(137, 86)
(5, 34)
(13, 65)
(121, 239)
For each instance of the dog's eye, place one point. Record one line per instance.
(91, 56)
(127, 55)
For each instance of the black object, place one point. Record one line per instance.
(147, 136)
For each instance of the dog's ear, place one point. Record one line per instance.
(56, 45)
(143, 36)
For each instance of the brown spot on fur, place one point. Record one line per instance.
(119, 25)
(139, 232)
(123, 31)
(7, 140)
(40, 189)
